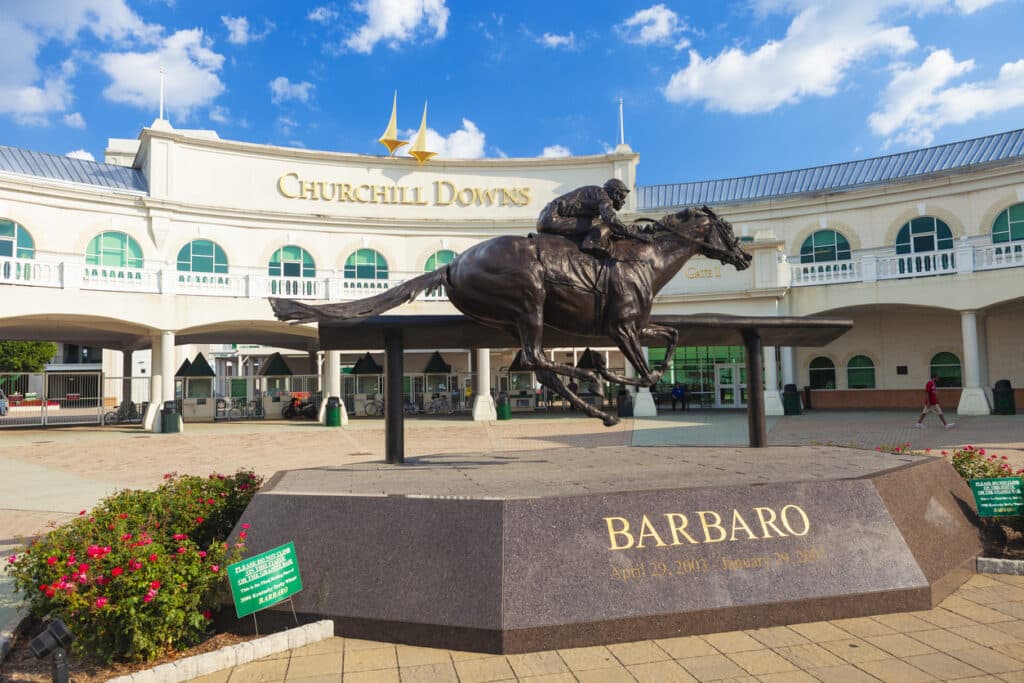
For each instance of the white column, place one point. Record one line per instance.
(483, 402)
(973, 400)
(156, 383)
(985, 380)
(772, 396)
(331, 382)
(643, 402)
(167, 365)
(786, 361)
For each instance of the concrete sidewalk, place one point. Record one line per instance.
(50, 475)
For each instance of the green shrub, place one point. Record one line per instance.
(139, 575)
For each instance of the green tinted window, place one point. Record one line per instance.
(366, 264)
(202, 256)
(114, 249)
(1009, 225)
(860, 373)
(923, 234)
(438, 259)
(292, 261)
(824, 246)
(822, 373)
(945, 367)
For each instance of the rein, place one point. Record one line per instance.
(706, 248)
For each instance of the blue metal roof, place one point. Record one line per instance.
(80, 171)
(850, 175)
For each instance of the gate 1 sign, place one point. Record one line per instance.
(1000, 497)
(264, 580)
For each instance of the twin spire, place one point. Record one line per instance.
(419, 146)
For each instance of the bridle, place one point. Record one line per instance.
(702, 246)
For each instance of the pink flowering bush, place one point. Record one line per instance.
(975, 463)
(140, 574)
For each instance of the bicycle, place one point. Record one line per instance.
(440, 405)
(246, 409)
(126, 413)
(374, 406)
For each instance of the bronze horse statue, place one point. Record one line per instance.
(522, 283)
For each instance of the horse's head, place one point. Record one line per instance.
(713, 236)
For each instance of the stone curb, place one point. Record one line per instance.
(234, 655)
(995, 565)
(11, 631)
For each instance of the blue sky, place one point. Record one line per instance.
(710, 89)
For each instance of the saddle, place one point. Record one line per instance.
(564, 265)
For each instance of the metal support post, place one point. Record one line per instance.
(756, 425)
(394, 418)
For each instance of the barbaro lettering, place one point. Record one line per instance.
(675, 528)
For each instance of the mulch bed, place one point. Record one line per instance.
(20, 666)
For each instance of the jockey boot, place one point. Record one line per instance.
(597, 242)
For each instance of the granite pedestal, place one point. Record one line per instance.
(536, 550)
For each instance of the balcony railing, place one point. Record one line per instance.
(50, 272)
(872, 265)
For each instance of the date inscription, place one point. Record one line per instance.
(694, 566)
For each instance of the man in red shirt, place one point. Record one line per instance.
(931, 405)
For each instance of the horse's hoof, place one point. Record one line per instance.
(610, 420)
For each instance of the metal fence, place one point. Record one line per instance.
(50, 398)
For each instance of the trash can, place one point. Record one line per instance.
(624, 403)
(332, 418)
(503, 408)
(170, 420)
(791, 400)
(1002, 398)
(807, 398)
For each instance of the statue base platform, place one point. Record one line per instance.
(526, 551)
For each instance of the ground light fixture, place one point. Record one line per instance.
(52, 642)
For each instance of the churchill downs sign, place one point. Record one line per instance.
(438, 193)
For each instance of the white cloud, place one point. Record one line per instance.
(75, 120)
(240, 33)
(917, 101)
(972, 6)
(192, 78)
(30, 92)
(555, 152)
(80, 154)
(282, 89)
(821, 44)
(322, 15)
(397, 21)
(556, 41)
(286, 125)
(656, 25)
(219, 114)
(465, 143)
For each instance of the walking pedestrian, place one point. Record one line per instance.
(931, 405)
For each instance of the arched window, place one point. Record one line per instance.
(114, 249)
(202, 256)
(945, 367)
(921, 237)
(15, 241)
(825, 246)
(292, 261)
(860, 373)
(1009, 225)
(366, 264)
(438, 259)
(823, 373)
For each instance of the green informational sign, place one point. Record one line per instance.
(264, 580)
(1001, 497)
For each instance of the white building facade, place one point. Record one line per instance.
(175, 243)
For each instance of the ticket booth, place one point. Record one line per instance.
(197, 402)
(589, 392)
(274, 385)
(366, 384)
(179, 382)
(438, 382)
(522, 394)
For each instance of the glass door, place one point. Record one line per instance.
(730, 385)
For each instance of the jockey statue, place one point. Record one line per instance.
(572, 215)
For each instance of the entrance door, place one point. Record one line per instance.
(730, 385)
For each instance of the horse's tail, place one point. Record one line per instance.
(352, 311)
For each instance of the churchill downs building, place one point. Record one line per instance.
(171, 247)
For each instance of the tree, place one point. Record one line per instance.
(25, 356)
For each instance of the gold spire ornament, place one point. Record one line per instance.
(419, 145)
(390, 136)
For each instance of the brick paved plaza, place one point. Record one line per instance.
(975, 634)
